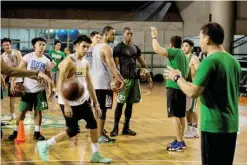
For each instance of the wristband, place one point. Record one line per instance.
(154, 38)
(176, 78)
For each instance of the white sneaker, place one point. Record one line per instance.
(188, 133)
(195, 132)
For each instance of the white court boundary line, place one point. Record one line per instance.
(175, 161)
(145, 90)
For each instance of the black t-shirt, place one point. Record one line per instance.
(127, 59)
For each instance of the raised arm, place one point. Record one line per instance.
(157, 48)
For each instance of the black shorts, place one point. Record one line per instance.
(218, 148)
(1, 93)
(105, 98)
(82, 111)
(176, 103)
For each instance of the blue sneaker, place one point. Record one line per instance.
(171, 144)
(183, 144)
(179, 146)
(43, 150)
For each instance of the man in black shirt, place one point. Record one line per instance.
(125, 54)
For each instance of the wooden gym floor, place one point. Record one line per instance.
(149, 120)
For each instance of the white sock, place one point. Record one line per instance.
(16, 128)
(37, 128)
(95, 147)
(51, 141)
(13, 115)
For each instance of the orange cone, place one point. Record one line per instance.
(21, 133)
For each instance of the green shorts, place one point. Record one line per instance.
(191, 104)
(131, 93)
(36, 101)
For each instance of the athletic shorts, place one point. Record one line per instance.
(82, 111)
(191, 104)
(218, 148)
(36, 101)
(105, 98)
(131, 92)
(1, 93)
(176, 103)
(54, 76)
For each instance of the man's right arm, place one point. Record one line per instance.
(107, 52)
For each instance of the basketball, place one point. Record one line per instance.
(115, 85)
(72, 90)
(143, 74)
(19, 90)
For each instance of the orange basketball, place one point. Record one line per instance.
(115, 84)
(19, 90)
(143, 74)
(72, 89)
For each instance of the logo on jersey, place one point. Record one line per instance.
(80, 72)
(37, 65)
(56, 56)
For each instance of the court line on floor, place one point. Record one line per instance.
(147, 92)
(176, 161)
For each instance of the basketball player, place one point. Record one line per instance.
(74, 111)
(35, 95)
(191, 116)
(95, 37)
(176, 99)
(16, 72)
(57, 56)
(126, 53)
(12, 58)
(217, 83)
(103, 67)
(66, 51)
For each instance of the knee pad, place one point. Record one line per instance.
(103, 116)
(72, 131)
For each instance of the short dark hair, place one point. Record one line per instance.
(214, 31)
(126, 28)
(82, 38)
(5, 40)
(57, 41)
(36, 39)
(190, 42)
(107, 29)
(93, 33)
(176, 41)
